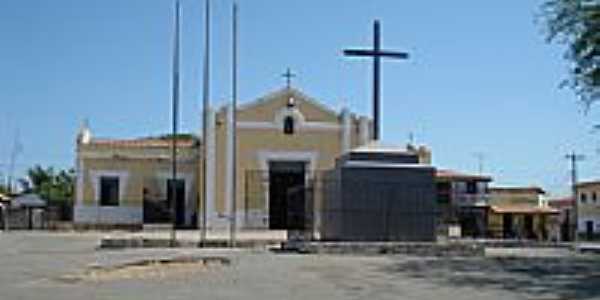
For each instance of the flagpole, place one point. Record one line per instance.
(205, 107)
(234, 75)
(175, 123)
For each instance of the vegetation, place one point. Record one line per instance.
(52, 185)
(576, 23)
(4, 189)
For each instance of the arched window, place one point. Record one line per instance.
(288, 125)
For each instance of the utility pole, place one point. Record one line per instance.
(574, 158)
(205, 107)
(175, 102)
(234, 87)
(480, 160)
(16, 150)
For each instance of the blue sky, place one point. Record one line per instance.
(481, 77)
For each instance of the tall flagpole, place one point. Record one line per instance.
(175, 123)
(205, 106)
(234, 78)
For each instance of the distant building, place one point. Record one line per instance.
(517, 195)
(129, 182)
(463, 199)
(521, 212)
(588, 209)
(565, 208)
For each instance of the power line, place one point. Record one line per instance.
(480, 161)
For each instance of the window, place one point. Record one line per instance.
(444, 189)
(288, 125)
(472, 187)
(594, 197)
(583, 198)
(109, 191)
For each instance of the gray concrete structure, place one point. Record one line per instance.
(382, 194)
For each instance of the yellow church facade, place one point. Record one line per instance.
(284, 138)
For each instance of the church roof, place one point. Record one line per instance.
(282, 92)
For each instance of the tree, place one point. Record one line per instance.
(4, 189)
(49, 184)
(576, 23)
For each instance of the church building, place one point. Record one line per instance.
(284, 140)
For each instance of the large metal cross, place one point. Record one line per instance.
(377, 54)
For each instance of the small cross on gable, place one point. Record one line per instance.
(288, 75)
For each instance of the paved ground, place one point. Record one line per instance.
(35, 265)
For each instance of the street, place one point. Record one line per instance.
(42, 265)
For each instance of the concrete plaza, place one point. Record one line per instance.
(40, 265)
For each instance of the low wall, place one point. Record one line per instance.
(378, 248)
(107, 215)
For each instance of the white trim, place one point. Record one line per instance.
(377, 164)
(346, 131)
(582, 224)
(80, 181)
(108, 215)
(266, 156)
(305, 126)
(95, 176)
(285, 112)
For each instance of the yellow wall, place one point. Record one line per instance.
(142, 173)
(514, 197)
(326, 142)
(496, 222)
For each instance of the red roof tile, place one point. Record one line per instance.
(523, 209)
(143, 142)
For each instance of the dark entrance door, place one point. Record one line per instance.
(589, 229)
(286, 195)
(529, 232)
(507, 226)
(179, 198)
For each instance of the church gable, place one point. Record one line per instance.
(272, 107)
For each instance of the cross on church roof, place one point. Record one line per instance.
(288, 75)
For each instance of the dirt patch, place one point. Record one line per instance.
(149, 269)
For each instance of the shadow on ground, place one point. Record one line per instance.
(539, 278)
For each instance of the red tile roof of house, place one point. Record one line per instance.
(522, 208)
(143, 142)
(565, 202)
